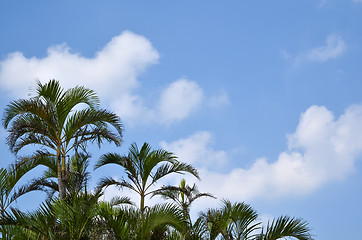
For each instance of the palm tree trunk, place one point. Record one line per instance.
(61, 182)
(62, 189)
(142, 206)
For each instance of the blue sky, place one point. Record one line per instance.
(263, 97)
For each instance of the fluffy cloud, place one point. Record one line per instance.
(112, 73)
(113, 70)
(179, 100)
(196, 149)
(322, 150)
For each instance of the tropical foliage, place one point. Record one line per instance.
(9, 193)
(144, 167)
(51, 120)
(53, 123)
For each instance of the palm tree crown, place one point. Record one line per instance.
(52, 121)
(144, 167)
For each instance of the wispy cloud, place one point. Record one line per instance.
(322, 3)
(333, 48)
(219, 100)
(321, 150)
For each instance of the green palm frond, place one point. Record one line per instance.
(183, 195)
(109, 158)
(9, 192)
(120, 200)
(51, 91)
(73, 97)
(160, 215)
(286, 227)
(91, 123)
(231, 221)
(177, 167)
(73, 218)
(106, 182)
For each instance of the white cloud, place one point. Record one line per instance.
(196, 150)
(112, 73)
(131, 109)
(322, 150)
(179, 99)
(113, 70)
(335, 47)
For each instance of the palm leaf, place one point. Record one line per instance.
(284, 227)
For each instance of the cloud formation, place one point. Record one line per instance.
(220, 100)
(333, 48)
(322, 150)
(113, 70)
(196, 149)
(179, 99)
(112, 73)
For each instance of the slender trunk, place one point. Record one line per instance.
(62, 188)
(142, 206)
(61, 175)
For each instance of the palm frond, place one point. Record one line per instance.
(284, 227)
(109, 158)
(80, 123)
(106, 182)
(120, 200)
(177, 167)
(162, 214)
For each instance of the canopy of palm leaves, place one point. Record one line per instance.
(144, 167)
(183, 195)
(240, 221)
(9, 193)
(52, 120)
(77, 170)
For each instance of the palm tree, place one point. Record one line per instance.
(51, 120)
(285, 227)
(132, 224)
(239, 221)
(231, 221)
(78, 175)
(9, 178)
(60, 219)
(183, 196)
(144, 167)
